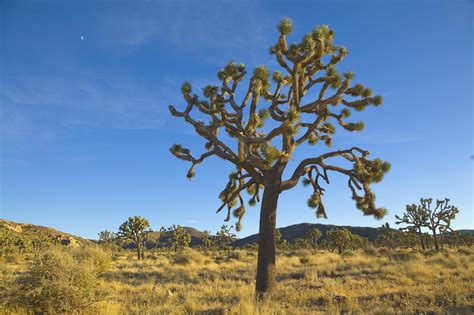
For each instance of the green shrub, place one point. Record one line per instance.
(59, 281)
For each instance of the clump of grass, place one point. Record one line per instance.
(188, 256)
(59, 281)
(237, 255)
(383, 251)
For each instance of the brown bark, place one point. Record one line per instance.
(435, 239)
(422, 239)
(266, 241)
(139, 251)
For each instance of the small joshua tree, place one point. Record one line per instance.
(225, 237)
(439, 218)
(415, 217)
(107, 237)
(206, 240)
(313, 237)
(135, 229)
(302, 105)
(178, 237)
(387, 237)
(342, 240)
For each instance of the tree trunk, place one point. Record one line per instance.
(422, 239)
(435, 239)
(266, 241)
(139, 251)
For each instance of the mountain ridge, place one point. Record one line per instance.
(288, 233)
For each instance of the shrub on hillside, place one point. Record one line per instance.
(187, 256)
(59, 281)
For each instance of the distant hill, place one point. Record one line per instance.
(292, 232)
(33, 232)
(466, 231)
(288, 233)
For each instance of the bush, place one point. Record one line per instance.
(187, 256)
(237, 255)
(402, 256)
(59, 281)
(383, 251)
(370, 251)
(181, 259)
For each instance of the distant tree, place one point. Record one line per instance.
(387, 236)
(358, 242)
(277, 236)
(454, 239)
(178, 237)
(408, 239)
(439, 218)
(225, 237)
(300, 242)
(206, 240)
(107, 237)
(467, 239)
(301, 108)
(415, 217)
(135, 229)
(340, 239)
(23, 244)
(313, 237)
(6, 242)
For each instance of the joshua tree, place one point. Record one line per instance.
(415, 217)
(106, 237)
(135, 229)
(340, 239)
(387, 236)
(178, 237)
(301, 104)
(439, 218)
(224, 237)
(206, 240)
(313, 236)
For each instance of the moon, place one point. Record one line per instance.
(82, 37)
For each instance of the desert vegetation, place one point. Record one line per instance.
(340, 272)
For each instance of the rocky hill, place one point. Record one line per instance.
(36, 232)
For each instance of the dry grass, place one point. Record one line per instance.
(308, 282)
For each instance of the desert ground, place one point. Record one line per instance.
(194, 281)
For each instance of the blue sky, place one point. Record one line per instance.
(85, 129)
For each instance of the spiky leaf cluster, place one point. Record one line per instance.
(305, 99)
